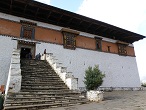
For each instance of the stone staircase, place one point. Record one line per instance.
(41, 88)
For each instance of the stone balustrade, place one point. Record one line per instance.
(14, 76)
(67, 77)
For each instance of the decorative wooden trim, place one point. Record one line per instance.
(98, 38)
(120, 42)
(69, 40)
(70, 31)
(28, 23)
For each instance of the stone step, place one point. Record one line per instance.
(42, 66)
(29, 102)
(36, 66)
(43, 83)
(39, 83)
(42, 97)
(40, 76)
(36, 85)
(44, 88)
(43, 106)
(31, 60)
(40, 80)
(38, 72)
(50, 91)
(67, 93)
(64, 94)
(33, 107)
(47, 74)
(32, 102)
(21, 98)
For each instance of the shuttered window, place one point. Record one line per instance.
(122, 49)
(69, 40)
(27, 32)
(27, 29)
(98, 43)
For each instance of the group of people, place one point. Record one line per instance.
(37, 57)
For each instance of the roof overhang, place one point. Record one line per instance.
(48, 14)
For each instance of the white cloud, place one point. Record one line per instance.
(44, 1)
(127, 14)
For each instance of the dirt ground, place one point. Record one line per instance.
(115, 100)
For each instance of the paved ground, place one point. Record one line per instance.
(116, 100)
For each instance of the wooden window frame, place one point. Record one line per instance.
(98, 43)
(69, 40)
(122, 49)
(26, 29)
(109, 48)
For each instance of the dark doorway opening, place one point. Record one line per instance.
(24, 52)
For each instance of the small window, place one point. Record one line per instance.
(69, 40)
(98, 44)
(122, 49)
(108, 48)
(27, 32)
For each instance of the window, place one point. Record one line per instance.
(98, 43)
(27, 29)
(69, 40)
(122, 49)
(27, 32)
(108, 48)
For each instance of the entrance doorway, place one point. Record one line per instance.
(25, 52)
(26, 48)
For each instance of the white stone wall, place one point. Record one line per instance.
(6, 48)
(120, 71)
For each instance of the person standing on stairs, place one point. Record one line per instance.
(45, 53)
(38, 56)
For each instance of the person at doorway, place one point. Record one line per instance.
(38, 56)
(29, 55)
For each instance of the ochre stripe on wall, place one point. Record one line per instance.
(113, 47)
(48, 35)
(85, 42)
(10, 28)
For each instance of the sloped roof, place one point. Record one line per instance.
(48, 14)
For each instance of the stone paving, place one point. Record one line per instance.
(115, 100)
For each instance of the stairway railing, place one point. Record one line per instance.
(14, 76)
(67, 77)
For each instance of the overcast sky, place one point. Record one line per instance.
(126, 14)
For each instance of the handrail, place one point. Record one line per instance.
(67, 77)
